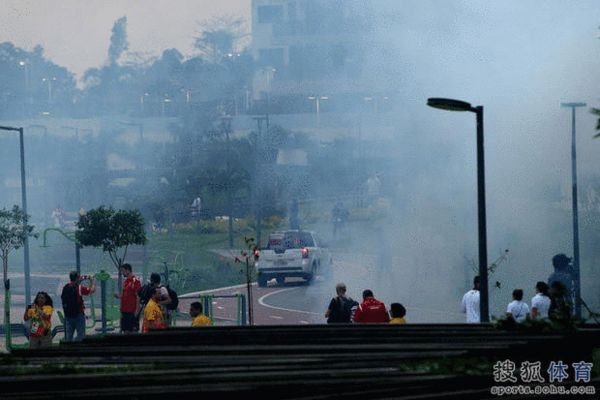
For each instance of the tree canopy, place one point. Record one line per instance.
(112, 230)
(14, 230)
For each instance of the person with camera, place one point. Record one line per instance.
(40, 315)
(73, 307)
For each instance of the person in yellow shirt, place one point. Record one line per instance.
(40, 315)
(397, 313)
(199, 319)
(153, 316)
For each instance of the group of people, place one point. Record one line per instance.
(343, 309)
(552, 300)
(154, 303)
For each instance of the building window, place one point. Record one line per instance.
(270, 14)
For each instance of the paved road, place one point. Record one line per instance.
(295, 302)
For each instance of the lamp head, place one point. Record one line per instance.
(449, 104)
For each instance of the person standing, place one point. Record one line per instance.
(540, 303)
(40, 315)
(373, 186)
(560, 302)
(199, 319)
(340, 307)
(130, 302)
(564, 274)
(339, 215)
(146, 291)
(153, 315)
(518, 309)
(293, 215)
(371, 310)
(73, 307)
(470, 303)
(196, 208)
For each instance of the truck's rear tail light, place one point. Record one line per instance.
(304, 252)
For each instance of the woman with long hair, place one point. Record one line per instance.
(40, 315)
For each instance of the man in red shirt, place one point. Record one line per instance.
(371, 310)
(130, 302)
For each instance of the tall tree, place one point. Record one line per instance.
(219, 37)
(596, 111)
(118, 40)
(13, 232)
(113, 230)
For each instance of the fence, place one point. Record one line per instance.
(208, 300)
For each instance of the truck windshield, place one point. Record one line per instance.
(290, 240)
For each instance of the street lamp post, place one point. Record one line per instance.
(226, 126)
(26, 97)
(457, 105)
(164, 102)
(24, 206)
(375, 100)
(257, 181)
(576, 266)
(317, 100)
(49, 81)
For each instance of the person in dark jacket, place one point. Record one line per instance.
(340, 307)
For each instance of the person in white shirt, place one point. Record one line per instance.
(518, 309)
(470, 303)
(540, 303)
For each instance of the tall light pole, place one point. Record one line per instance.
(226, 127)
(457, 105)
(164, 102)
(576, 266)
(24, 64)
(49, 82)
(24, 206)
(317, 100)
(257, 182)
(375, 100)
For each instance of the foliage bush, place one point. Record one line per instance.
(556, 324)
(240, 226)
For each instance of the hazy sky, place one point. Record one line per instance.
(76, 33)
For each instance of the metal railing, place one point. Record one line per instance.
(207, 301)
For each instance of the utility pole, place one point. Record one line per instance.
(226, 126)
(24, 207)
(576, 265)
(257, 170)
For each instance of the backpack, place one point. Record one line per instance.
(342, 312)
(69, 300)
(145, 293)
(174, 299)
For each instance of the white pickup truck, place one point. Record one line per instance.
(292, 253)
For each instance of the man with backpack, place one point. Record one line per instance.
(340, 307)
(167, 300)
(72, 301)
